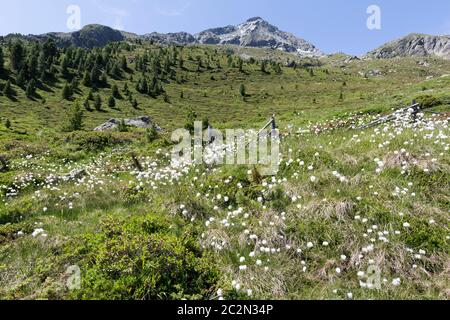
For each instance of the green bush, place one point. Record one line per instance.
(428, 101)
(142, 259)
(97, 141)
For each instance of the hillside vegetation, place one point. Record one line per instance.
(345, 202)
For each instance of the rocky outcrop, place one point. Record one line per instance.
(140, 122)
(414, 45)
(179, 38)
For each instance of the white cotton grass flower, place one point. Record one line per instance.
(310, 245)
(37, 232)
(313, 179)
(396, 282)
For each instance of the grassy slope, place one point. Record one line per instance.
(325, 211)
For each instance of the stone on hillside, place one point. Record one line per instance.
(140, 122)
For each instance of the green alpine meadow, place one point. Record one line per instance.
(94, 207)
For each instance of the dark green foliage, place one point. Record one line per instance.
(166, 98)
(90, 95)
(22, 77)
(75, 119)
(87, 79)
(31, 89)
(428, 101)
(7, 91)
(2, 61)
(8, 124)
(16, 55)
(111, 102)
(66, 92)
(87, 104)
(141, 259)
(65, 67)
(190, 121)
(115, 91)
(242, 91)
(135, 103)
(152, 133)
(122, 126)
(123, 63)
(98, 102)
(264, 66)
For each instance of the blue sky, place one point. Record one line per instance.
(332, 25)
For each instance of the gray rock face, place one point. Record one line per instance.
(414, 45)
(179, 38)
(140, 122)
(258, 33)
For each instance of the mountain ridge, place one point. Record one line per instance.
(253, 33)
(414, 45)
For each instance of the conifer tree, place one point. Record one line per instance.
(242, 90)
(31, 89)
(98, 102)
(2, 61)
(115, 91)
(75, 119)
(16, 55)
(111, 102)
(7, 89)
(66, 92)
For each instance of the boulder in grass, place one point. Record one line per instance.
(140, 122)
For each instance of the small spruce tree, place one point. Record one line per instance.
(75, 119)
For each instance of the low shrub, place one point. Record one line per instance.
(142, 259)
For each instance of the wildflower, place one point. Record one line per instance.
(37, 232)
(310, 245)
(396, 282)
(338, 270)
(313, 179)
(258, 262)
(243, 267)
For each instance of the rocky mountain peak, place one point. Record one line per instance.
(256, 32)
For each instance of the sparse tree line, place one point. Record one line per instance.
(146, 69)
